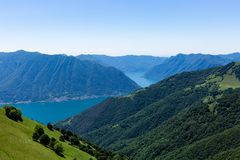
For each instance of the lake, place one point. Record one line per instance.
(139, 79)
(52, 112)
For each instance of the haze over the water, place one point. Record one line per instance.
(120, 27)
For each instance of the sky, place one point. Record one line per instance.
(120, 27)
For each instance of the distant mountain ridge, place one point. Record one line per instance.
(128, 63)
(186, 116)
(189, 62)
(232, 56)
(27, 76)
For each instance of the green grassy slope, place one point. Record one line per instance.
(17, 144)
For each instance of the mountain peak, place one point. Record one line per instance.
(26, 52)
(57, 76)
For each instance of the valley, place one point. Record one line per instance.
(139, 78)
(165, 120)
(120, 80)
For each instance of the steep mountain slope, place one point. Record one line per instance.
(129, 63)
(116, 109)
(17, 144)
(182, 62)
(35, 77)
(233, 56)
(189, 115)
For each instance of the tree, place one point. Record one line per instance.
(66, 137)
(52, 142)
(63, 131)
(13, 113)
(74, 140)
(39, 130)
(35, 136)
(69, 133)
(61, 138)
(44, 139)
(58, 129)
(58, 148)
(50, 126)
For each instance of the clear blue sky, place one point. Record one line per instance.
(118, 27)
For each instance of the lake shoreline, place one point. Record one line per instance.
(52, 112)
(61, 99)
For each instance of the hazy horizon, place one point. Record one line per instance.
(155, 27)
(126, 54)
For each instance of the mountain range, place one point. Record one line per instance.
(27, 76)
(188, 115)
(128, 63)
(192, 62)
(158, 68)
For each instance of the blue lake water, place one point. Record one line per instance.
(139, 79)
(45, 112)
(52, 112)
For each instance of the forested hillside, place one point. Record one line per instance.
(27, 76)
(193, 114)
(183, 63)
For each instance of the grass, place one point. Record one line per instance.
(16, 142)
(229, 81)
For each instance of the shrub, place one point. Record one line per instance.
(13, 113)
(66, 137)
(69, 133)
(58, 148)
(90, 151)
(35, 136)
(50, 126)
(74, 140)
(44, 139)
(16, 115)
(63, 131)
(52, 142)
(102, 157)
(39, 130)
(58, 129)
(61, 138)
